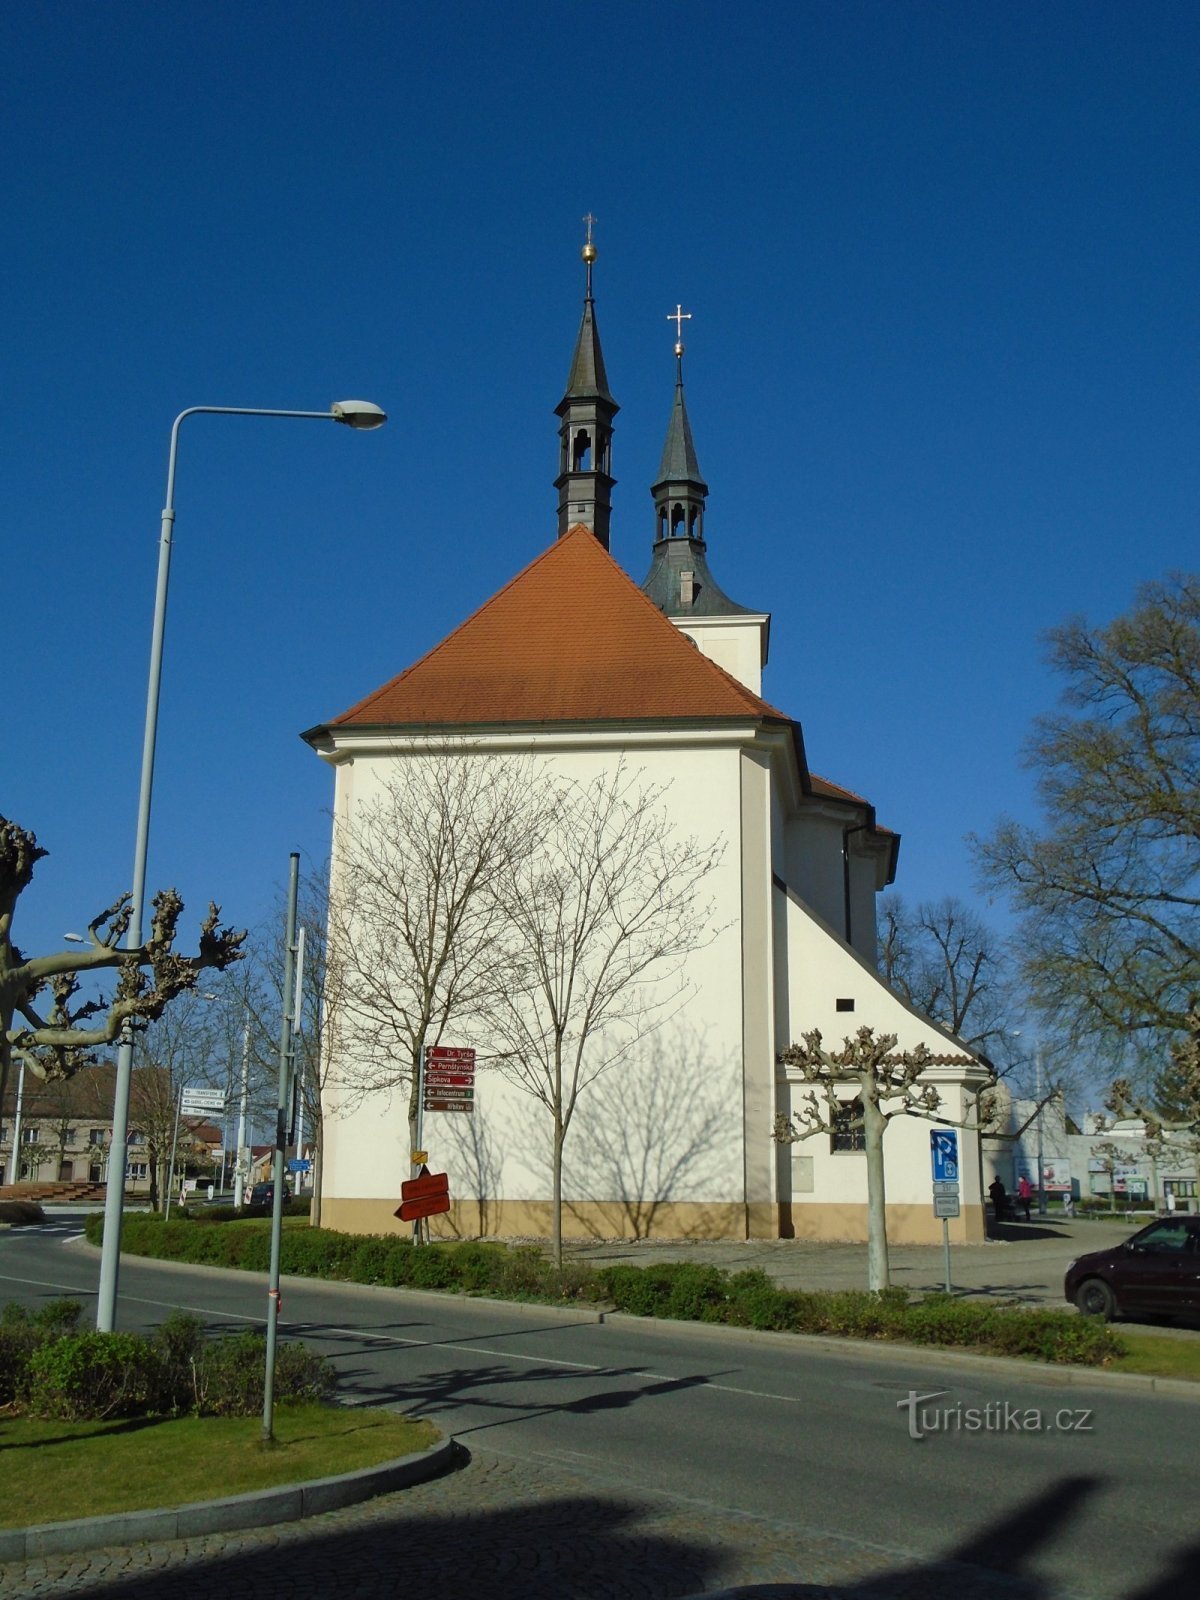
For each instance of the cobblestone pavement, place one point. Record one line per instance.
(503, 1529)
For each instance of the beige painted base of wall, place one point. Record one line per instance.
(595, 1219)
(906, 1224)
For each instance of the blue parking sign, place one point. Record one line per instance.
(943, 1147)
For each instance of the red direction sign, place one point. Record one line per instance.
(449, 1105)
(424, 1196)
(450, 1080)
(441, 1055)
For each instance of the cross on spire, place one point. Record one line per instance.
(679, 316)
(591, 222)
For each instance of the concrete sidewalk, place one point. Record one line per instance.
(1025, 1265)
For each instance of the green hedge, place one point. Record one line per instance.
(50, 1369)
(685, 1291)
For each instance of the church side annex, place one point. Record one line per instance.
(575, 668)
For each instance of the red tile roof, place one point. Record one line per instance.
(570, 639)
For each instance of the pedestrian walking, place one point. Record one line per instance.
(1025, 1194)
(999, 1199)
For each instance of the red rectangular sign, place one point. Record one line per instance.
(424, 1196)
(411, 1210)
(429, 1183)
(450, 1080)
(449, 1105)
(446, 1056)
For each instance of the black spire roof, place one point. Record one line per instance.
(679, 581)
(585, 480)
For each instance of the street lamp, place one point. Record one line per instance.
(360, 415)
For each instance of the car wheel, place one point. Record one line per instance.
(1095, 1299)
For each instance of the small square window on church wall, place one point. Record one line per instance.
(845, 1005)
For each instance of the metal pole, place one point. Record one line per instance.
(110, 1253)
(281, 1116)
(16, 1161)
(239, 1182)
(171, 1163)
(420, 1126)
(946, 1251)
(1041, 1172)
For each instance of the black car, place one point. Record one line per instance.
(1156, 1270)
(263, 1194)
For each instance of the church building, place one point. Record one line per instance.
(575, 664)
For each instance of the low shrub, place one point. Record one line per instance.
(21, 1334)
(231, 1376)
(21, 1213)
(757, 1301)
(84, 1376)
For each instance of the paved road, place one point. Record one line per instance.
(630, 1459)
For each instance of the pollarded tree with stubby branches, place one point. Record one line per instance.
(859, 1089)
(59, 1039)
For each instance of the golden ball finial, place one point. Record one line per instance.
(589, 252)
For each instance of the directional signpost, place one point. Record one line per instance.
(449, 1080)
(943, 1152)
(196, 1102)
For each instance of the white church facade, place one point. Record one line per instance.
(576, 666)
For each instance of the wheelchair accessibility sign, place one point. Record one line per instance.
(943, 1147)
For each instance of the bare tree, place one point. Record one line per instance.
(945, 960)
(601, 921)
(1170, 1114)
(251, 1012)
(1109, 888)
(58, 1041)
(182, 1048)
(858, 1090)
(416, 921)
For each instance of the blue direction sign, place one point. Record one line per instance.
(943, 1147)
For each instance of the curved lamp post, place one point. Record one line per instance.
(360, 415)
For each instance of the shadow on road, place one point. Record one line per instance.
(601, 1547)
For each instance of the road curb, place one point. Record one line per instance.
(261, 1508)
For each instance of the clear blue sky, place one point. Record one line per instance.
(942, 373)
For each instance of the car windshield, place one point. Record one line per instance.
(1166, 1235)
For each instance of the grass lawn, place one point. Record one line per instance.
(1159, 1355)
(56, 1471)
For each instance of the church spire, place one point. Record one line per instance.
(680, 492)
(679, 581)
(584, 481)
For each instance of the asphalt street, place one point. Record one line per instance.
(630, 1458)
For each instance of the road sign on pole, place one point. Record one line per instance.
(194, 1102)
(943, 1148)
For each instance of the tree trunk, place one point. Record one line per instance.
(314, 1215)
(874, 1126)
(556, 1202)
